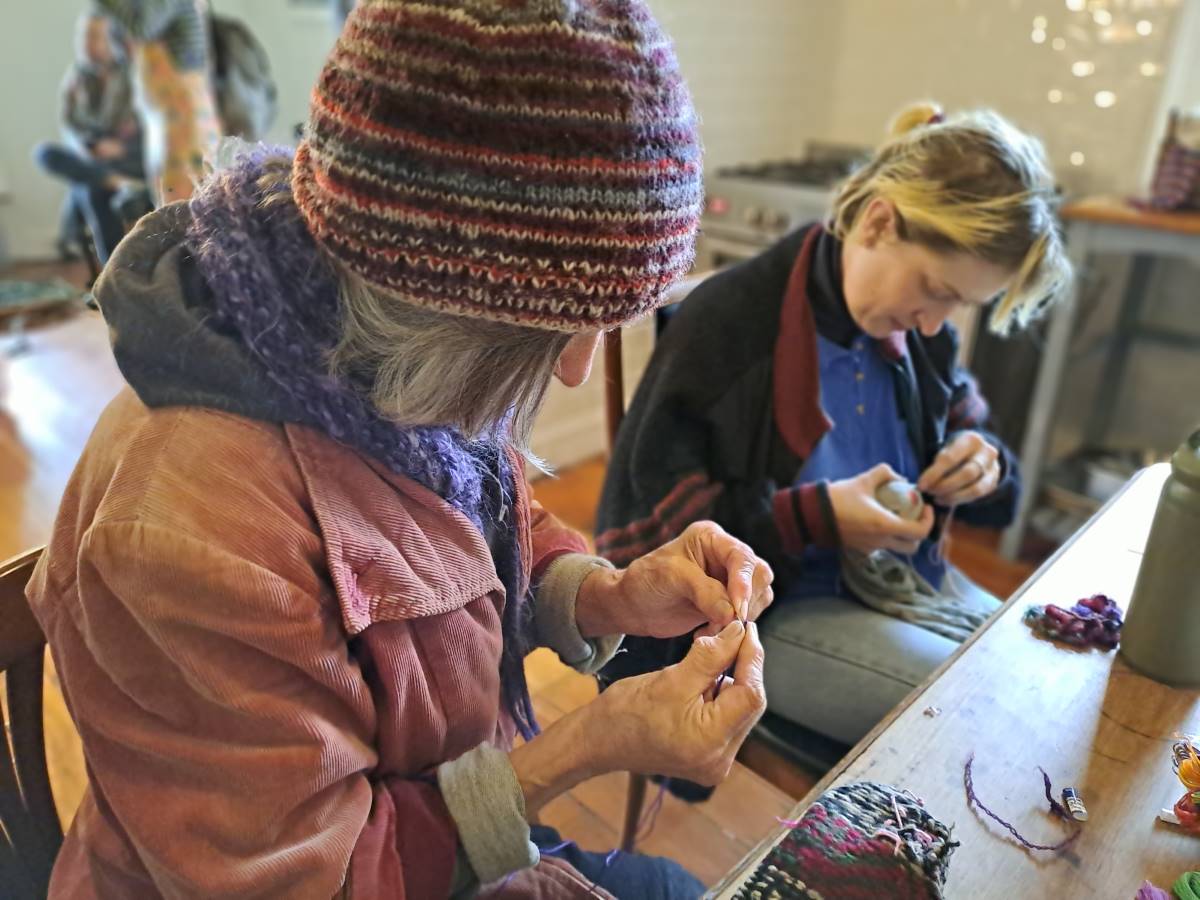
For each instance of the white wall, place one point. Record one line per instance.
(35, 49)
(766, 75)
(756, 69)
(966, 53)
(297, 40)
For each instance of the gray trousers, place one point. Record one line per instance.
(837, 667)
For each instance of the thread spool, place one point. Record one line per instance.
(1074, 804)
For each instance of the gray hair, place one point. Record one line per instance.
(424, 367)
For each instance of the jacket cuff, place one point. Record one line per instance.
(484, 798)
(554, 614)
(804, 517)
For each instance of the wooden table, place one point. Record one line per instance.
(1094, 226)
(1017, 702)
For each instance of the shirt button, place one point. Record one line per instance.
(859, 376)
(861, 409)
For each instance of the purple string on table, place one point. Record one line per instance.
(1055, 808)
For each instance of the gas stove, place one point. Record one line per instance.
(748, 207)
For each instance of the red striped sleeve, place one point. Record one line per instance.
(804, 517)
(690, 500)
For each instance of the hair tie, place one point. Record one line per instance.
(936, 119)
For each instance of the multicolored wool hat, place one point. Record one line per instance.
(527, 161)
(862, 840)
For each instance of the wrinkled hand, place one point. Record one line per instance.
(966, 469)
(703, 576)
(864, 524)
(666, 723)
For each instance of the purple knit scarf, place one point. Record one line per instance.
(272, 287)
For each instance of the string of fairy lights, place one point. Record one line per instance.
(1088, 74)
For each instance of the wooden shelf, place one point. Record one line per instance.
(1115, 211)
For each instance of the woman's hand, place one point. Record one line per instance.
(704, 576)
(662, 723)
(966, 469)
(864, 524)
(666, 723)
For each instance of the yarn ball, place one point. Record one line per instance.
(901, 498)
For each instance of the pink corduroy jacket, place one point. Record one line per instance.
(268, 642)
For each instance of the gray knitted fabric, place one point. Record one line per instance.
(893, 587)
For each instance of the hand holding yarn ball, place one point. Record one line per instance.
(901, 498)
(874, 511)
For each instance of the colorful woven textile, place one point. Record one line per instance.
(864, 841)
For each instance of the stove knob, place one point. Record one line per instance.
(776, 220)
(754, 217)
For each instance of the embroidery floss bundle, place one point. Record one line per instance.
(1188, 886)
(1185, 759)
(1092, 622)
(859, 840)
(1149, 892)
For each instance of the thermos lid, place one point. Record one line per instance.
(1185, 463)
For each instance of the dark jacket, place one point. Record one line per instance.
(729, 409)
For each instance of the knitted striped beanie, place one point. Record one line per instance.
(527, 161)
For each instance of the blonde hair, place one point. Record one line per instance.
(970, 183)
(424, 367)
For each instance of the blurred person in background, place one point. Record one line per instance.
(101, 152)
(174, 92)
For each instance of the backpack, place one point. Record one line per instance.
(247, 99)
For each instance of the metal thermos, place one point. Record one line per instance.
(1161, 636)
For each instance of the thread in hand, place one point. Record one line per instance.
(728, 673)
